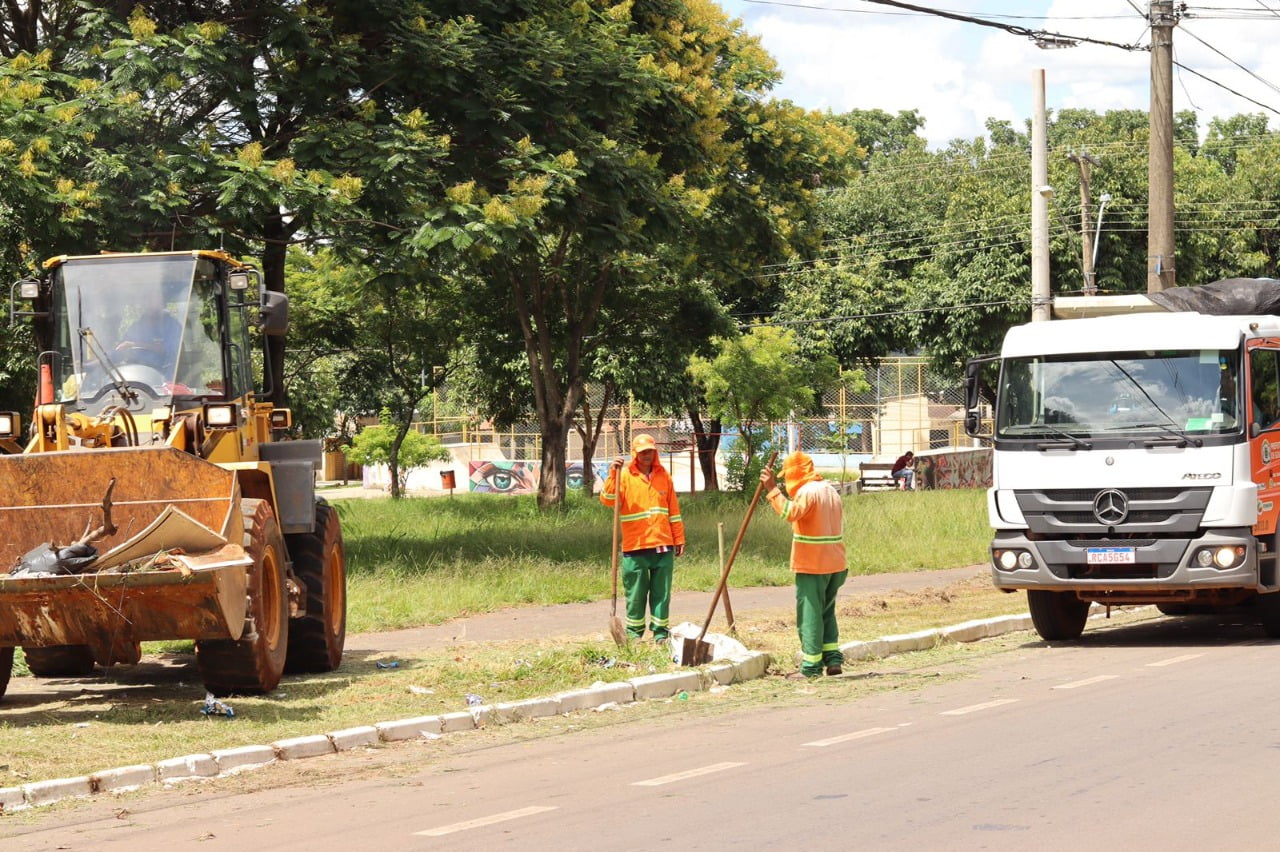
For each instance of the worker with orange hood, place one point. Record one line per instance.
(816, 515)
(652, 535)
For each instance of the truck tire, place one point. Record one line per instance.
(59, 661)
(320, 563)
(6, 669)
(1057, 615)
(1269, 614)
(253, 664)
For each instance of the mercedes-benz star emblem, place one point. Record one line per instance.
(1111, 507)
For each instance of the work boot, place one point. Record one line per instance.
(832, 671)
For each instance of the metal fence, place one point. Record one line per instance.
(907, 407)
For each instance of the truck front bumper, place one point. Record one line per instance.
(1157, 566)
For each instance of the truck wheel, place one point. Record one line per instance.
(1057, 615)
(60, 661)
(6, 668)
(253, 664)
(319, 561)
(1269, 614)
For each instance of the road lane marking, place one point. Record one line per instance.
(1086, 682)
(844, 738)
(483, 821)
(1174, 660)
(974, 708)
(690, 773)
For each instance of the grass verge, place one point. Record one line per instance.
(423, 561)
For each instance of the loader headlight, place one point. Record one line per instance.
(163, 414)
(10, 424)
(281, 418)
(220, 416)
(29, 289)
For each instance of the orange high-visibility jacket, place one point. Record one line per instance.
(817, 533)
(649, 513)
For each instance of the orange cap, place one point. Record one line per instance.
(640, 443)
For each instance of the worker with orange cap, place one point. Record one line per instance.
(816, 515)
(652, 535)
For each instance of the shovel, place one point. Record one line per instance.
(616, 630)
(696, 651)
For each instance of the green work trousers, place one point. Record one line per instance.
(646, 579)
(816, 620)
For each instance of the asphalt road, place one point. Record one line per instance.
(1155, 734)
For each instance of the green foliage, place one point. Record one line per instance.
(758, 379)
(376, 444)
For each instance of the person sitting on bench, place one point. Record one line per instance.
(903, 473)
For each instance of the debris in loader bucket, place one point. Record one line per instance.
(175, 576)
(45, 560)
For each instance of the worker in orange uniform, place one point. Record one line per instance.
(816, 515)
(652, 535)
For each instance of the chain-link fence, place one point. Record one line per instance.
(905, 407)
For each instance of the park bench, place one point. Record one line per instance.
(876, 476)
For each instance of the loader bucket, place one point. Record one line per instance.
(54, 497)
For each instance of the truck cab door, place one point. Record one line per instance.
(1262, 407)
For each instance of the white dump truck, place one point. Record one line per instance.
(1137, 455)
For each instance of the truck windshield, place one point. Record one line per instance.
(1189, 391)
(150, 323)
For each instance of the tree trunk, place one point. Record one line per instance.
(551, 491)
(273, 260)
(708, 445)
(393, 457)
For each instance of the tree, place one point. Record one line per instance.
(618, 129)
(400, 450)
(758, 379)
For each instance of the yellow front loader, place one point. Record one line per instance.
(147, 497)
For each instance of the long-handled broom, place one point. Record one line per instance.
(695, 651)
(616, 630)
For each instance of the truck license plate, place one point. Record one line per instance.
(1109, 556)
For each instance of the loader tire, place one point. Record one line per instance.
(60, 661)
(253, 664)
(319, 562)
(6, 668)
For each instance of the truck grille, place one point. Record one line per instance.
(1151, 511)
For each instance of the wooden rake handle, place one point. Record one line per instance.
(617, 503)
(733, 551)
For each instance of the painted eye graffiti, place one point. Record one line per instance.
(510, 478)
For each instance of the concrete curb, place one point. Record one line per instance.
(599, 696)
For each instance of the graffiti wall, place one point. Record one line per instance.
(954, 469)
(521, 477)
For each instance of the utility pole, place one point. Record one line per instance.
(1041, 298)
(1161, 268)
(1086, 161)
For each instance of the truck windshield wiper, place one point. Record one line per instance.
(1069, 440)
(1181, 439)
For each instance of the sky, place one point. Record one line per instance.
(855, 54)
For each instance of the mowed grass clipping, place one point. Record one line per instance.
(422, 561)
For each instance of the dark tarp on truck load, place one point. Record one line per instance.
(1228, 297)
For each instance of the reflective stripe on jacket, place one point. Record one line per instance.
(649, 512)
(816, 516)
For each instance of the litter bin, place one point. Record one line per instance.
(447, 481)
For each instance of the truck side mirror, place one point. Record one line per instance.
(274, 313)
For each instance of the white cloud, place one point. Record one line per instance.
(957, 75)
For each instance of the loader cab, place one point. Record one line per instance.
(141, 331)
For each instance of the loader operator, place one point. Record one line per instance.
(652, 535)
(815, 513)
(153, 340)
